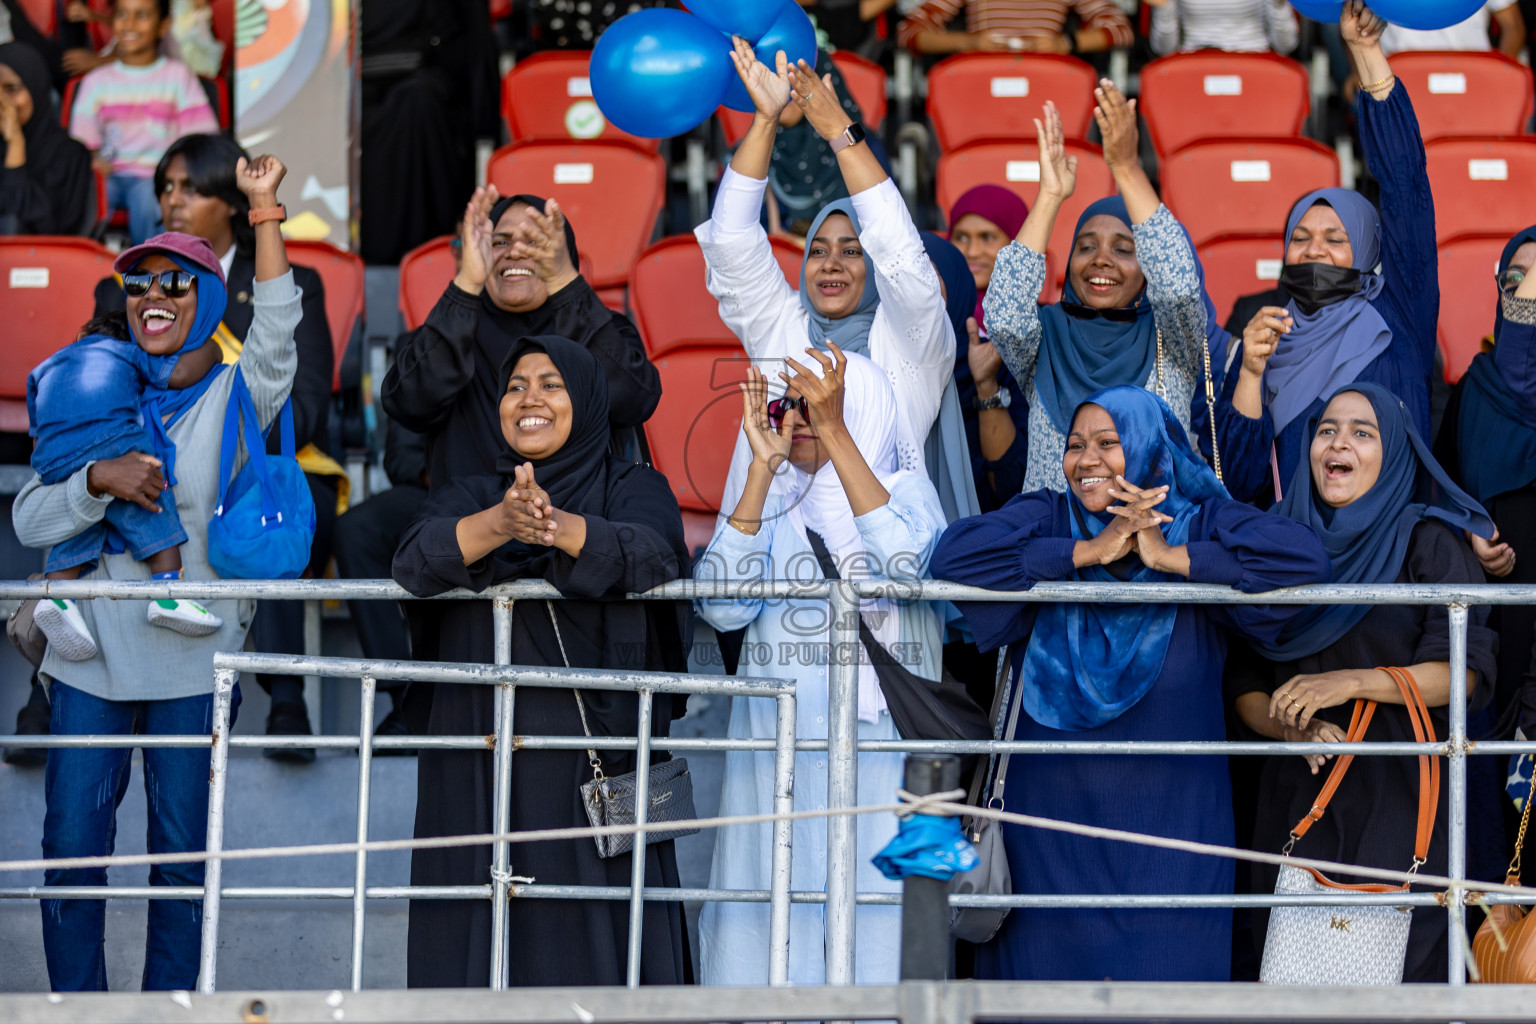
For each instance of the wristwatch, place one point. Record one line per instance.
(1001, 400)
(852, 136)
(277, 213)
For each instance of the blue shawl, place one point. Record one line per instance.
(1079, 357)
(1087, 664)
(1328, 349)
(1489, 410)
(1367, 539)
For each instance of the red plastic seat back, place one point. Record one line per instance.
(1016, 166)
(549, 96)
(866, 84)
(1238, 265)
(1482, 186)
(343, 274)
(224, 31)
(1210, 94)
(43, 14)
(1468, 93)
(611, 192)
(671, 303)
(1244, 186)
(693, 430)
(47, 289)
(425, 273)
(975, 96)
(1468, 298)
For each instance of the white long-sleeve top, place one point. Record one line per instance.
(911, 338)
(1237, 26)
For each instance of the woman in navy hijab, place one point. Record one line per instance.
(1386, 513)
(1141, 506)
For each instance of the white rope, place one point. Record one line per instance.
(937, 803)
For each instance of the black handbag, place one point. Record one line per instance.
(923, 709)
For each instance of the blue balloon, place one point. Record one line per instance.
(1426, 15)
(749, 19)
(1321, 10)
(657, 73)
(791, 32)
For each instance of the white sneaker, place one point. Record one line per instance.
(185, 617)
(64, 626)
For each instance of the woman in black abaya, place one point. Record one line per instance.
(559, 509)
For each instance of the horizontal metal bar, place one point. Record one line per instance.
(665, 895)
(517, 675)
(690, 590)
(912, 1002)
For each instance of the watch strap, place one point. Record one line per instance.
(852, 136)
(278, 213)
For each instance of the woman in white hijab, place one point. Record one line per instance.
(824, 475)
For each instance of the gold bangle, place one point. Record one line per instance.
(1378, 85)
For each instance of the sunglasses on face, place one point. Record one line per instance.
(779, 408)
(1510, 280)
(173, 283)
(1117, 314)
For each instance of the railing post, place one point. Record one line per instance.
(842, 781)
(638, 851)
(925, 901)
(213, 870)
(364, 787)
(783, 839)
(501, 871)
(1456, 859)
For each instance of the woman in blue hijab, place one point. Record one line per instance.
(1361, 288)
(1386, 513)
(1141, 506)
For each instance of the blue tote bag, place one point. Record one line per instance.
(265, 521)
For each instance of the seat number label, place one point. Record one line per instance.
(1250, 170)
(34, 277)
(573, 174)
(1010, 87)
(1022, 170)
(1223, 85)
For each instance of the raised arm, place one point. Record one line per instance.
(270, 358)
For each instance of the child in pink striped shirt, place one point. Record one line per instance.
(130, 111)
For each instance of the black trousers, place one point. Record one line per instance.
(279, 625)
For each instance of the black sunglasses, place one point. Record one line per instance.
(779, 408)
(1116, 314)
(173, 283)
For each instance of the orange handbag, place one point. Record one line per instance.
(1513, 960)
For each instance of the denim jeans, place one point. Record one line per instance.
(84, 788)
(137, 196)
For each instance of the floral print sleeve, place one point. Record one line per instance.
(1013, 313)
(1173, 286)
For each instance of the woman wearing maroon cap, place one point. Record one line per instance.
(142, 679)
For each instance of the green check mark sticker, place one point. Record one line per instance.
(584, 121)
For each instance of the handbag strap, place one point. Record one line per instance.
(1513, 874)
(581, 705)
(1001, 778)
(1210, 405)
(1429, 765)
(240, 417)
(1160, 388)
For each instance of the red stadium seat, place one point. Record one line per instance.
(1468, 296)
(1478, 92)
(612, 193)
(43, 14)
(865, 81)
(425, 273)
(1238, 265)
(1482, 186)
(224, 32)
(693, 430)
(1244, 186)
(1209, 94)
(48, 284)
(342, 273)
(672, 306)
(974, 96)
(549, 97)
(1016, 166)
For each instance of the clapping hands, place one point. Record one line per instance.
(527, 515)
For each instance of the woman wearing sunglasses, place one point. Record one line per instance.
(1133, 311)
(93, 469)
(825, 485)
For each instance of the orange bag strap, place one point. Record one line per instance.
(1359, 721)
(1429, 765)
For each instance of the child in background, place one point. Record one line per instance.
(128, 112)
(114, 391)
(190, 39)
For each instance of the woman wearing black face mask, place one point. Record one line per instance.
(1346, 319)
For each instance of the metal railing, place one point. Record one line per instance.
(842, 746)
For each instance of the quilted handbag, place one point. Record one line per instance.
(1505, 945)
(611, 801)
(991, 876)
(1350, 943)
(265, 521)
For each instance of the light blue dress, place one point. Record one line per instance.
(900, 537)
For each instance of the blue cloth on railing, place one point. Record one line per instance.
(1518, 785)
(927, 845)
